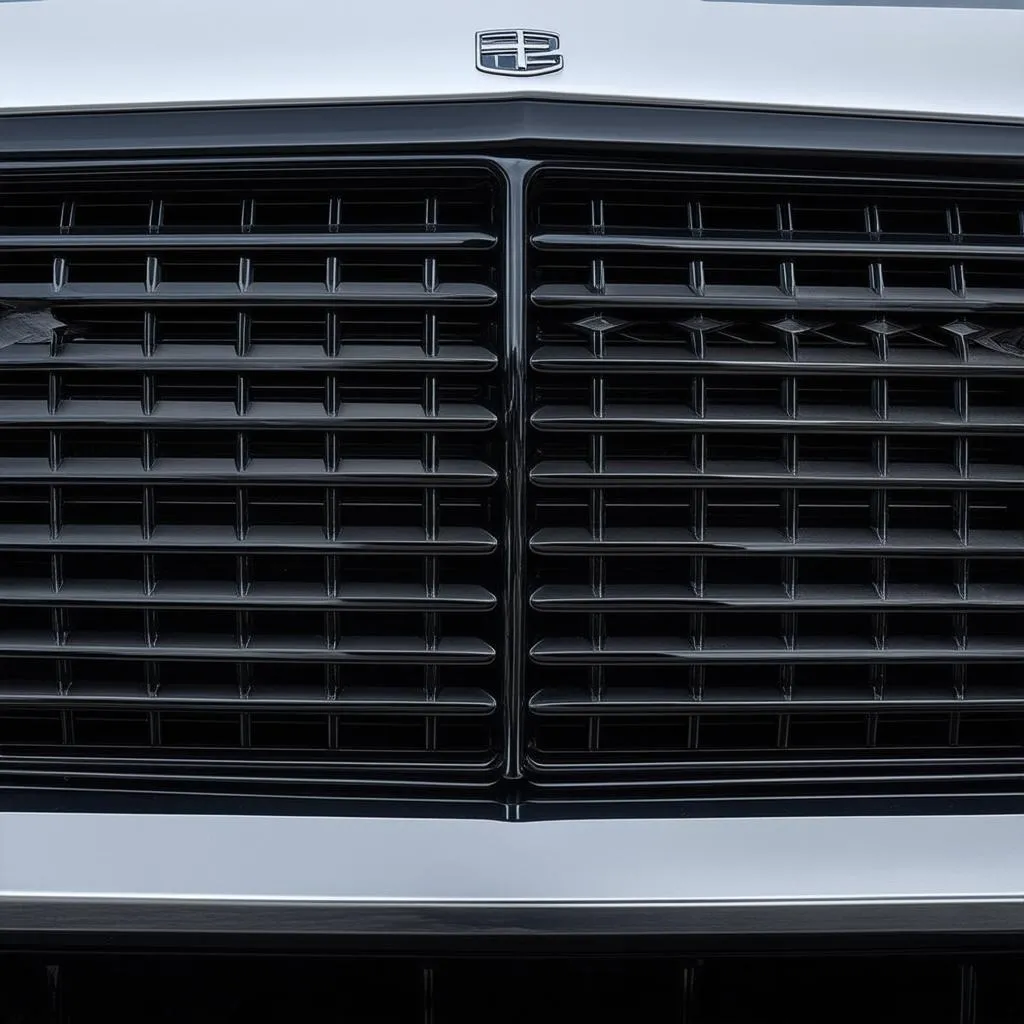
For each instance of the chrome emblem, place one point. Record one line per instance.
(518, 52)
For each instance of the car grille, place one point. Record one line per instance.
(440, 470)
(979, 989)
(249, 521)
(776, 422)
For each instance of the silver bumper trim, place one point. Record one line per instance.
(63, 872)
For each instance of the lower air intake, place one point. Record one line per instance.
(175, 989)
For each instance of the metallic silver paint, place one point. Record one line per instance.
(935, 62)
(752, 874)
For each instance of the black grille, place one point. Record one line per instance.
(776, 476)
(172, 988)
(249, 520)
(266, 493)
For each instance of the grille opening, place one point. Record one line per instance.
(733, 574)
(831, 449)
(910, 572)
(835, 393)
(913, 217)
(24, 444)
(939, 395)
(933, 510)
(93, 271)
(25, 504)
(1001, 732)
(743, 448)
(740, 391)
(105, 729)
(745, 508)
(185, 506)
(994, 510)
(109, 213)
(25, 267)
(996, 452)
(102, 444)
(838, 572)
(113, 567)
(28, 728)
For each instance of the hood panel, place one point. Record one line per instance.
(931, 61)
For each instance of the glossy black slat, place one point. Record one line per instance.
(638, 597)
(658, 541)
(218, 561)
(776, 495)
(380, 596)
(380, 700)
(200, 415)
(729, 297)
(626, 473)
(821, 650)
(368, 650)
(699, 244)
(653, 418)
(356, 471)
(824, 698)
(370, 540)
(383, 293)
(641, 358)
(388, 241)
(104, 357)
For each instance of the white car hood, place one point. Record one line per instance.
(933, 61)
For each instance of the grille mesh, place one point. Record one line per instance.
(777, 474)
(249, 518)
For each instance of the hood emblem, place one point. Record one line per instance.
(519, 52)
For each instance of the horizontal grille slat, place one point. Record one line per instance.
(638, 650)
(369, 540)
(199, 357)
(204, 415)
(248, 529)
(380, 472)
(381, 596)
(625, 701)
(656, 541)
(383, 650)
(779, 246)
(903, 300)
(384, 293)
(665, 596)
(774, 485)
(644, 473)
(377, 700)
(655, 418)
(329, 241)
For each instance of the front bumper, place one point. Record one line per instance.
(271, 874)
